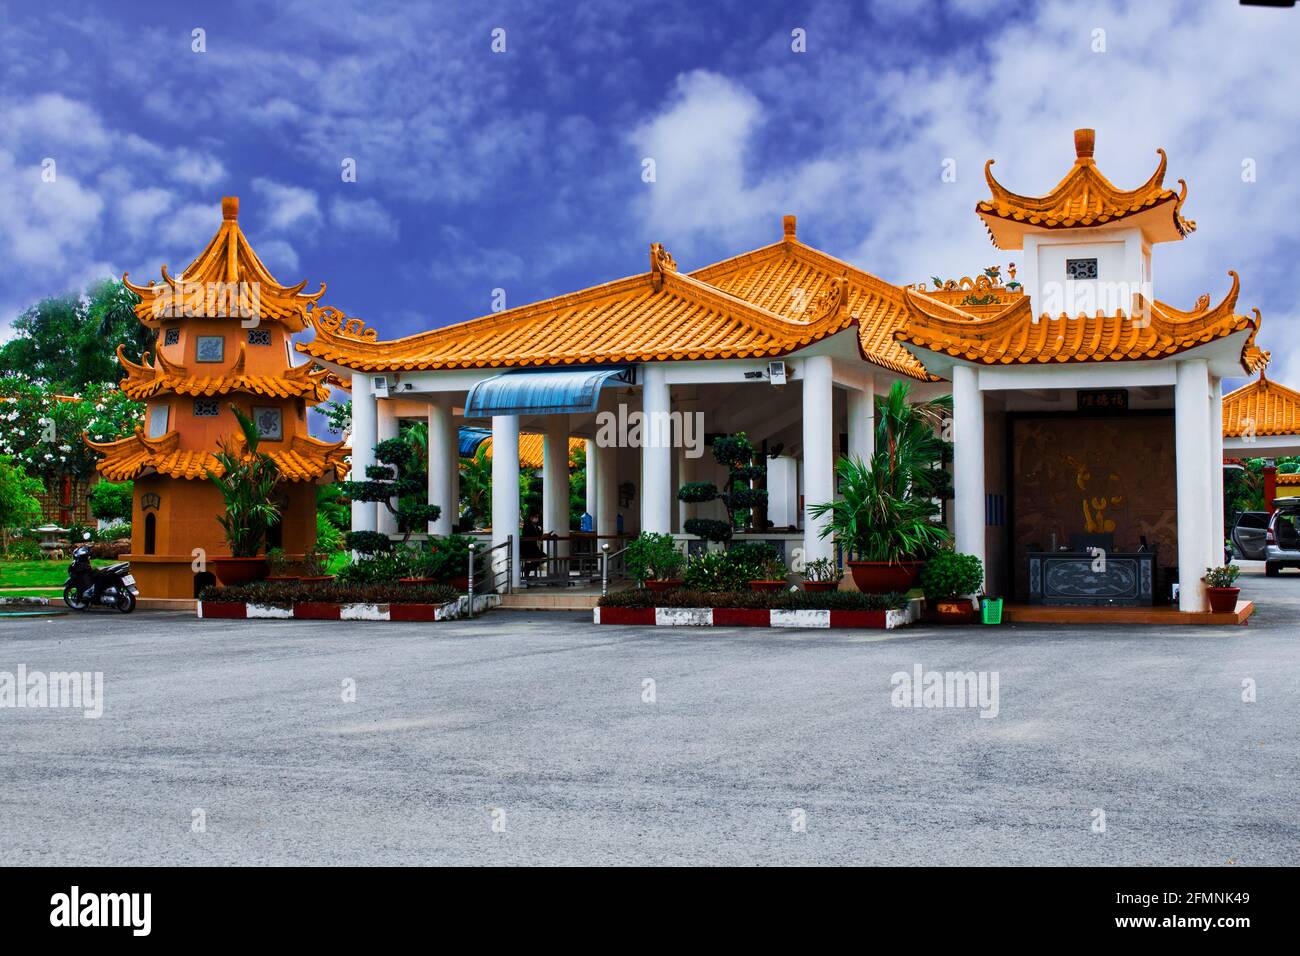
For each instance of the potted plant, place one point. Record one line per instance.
(949, 579)
(1219, 587)
(315, 566)
(821, 575)
(247, 481)
(279, 565)
(771, 575)
(888, 515)
(654, 562)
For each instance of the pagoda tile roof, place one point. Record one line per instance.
(530, 448)
(1289, 478)
(227, 262)
(1015, 336)
(744, 307)
(1083, 198)
(1261, 408)
(146, 379)
(304, 459)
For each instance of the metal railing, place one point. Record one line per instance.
(580, 567)
(605, 559)
(494, 575)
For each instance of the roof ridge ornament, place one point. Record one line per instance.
(1085, 141)
(336, 322)
(661, 261)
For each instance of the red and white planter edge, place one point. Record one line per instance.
(754, 617)
(320, 611)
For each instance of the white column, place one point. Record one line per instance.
(606, 513)
(364, 427)
(862, 421)
(1216, 474)
(388, 428)
(555, 480)
(589, 481)
(443, 461)
(818, 453)
(505, 487)
(656, 452)
(1195, 488)
(968, 462)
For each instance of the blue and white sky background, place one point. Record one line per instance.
(522, 170)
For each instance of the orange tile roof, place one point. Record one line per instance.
(1261, 408)
(305, 459)
(1015, 336)
(1083, 198)
(163, 377)
(228, 261)
(530, 449)
(1290, 478)
(745, 307)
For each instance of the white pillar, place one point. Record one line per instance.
(555, 480)
(968, 462)
(364, 428)
(1216, 475)
(505, 487)
(387, 428)
(818, 453)
(862, 421)
(443, 461)
(606, 513)
(1195, 488)
(589, 480)
(656, 452)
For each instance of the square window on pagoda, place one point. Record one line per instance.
(259, 336)
(158, 421)
(206, 408)
(210, 348)
(269, 423)
(172, 337)
(1081, 268)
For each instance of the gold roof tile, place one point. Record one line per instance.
(1261, 408)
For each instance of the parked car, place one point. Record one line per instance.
(1282, 540)
(1248, 534)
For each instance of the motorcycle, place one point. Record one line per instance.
(112, 586)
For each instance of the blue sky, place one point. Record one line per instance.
(522, 170)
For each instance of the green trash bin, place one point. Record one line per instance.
(992, 610)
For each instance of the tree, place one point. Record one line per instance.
(19, 506)
(738, 495)
(399, 482)
(111, 501)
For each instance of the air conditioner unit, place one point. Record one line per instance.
(776, 372)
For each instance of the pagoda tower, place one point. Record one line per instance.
(224, 327)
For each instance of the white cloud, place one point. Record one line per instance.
(139, 210)
(363, 218)
(285, 207)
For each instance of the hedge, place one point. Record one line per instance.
(288, 593)
(758, 600)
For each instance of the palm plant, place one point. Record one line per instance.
(888, 512)
(247, 483)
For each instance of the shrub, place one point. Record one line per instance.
(757, 600)
(328, 538)
(288, 593)
(380, 569)
(948, 575)
(823, 569)
(1221, 577)
(367, 542)
(730, 570)
(111, 501)
(710, 529)
(653, 557)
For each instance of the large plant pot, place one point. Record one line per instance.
(882, 577)
(1223, 600)
(231, 571)
(667, 585)
(820, 587)
(954, 611)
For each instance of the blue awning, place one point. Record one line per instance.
(469, 439)
(543, 391)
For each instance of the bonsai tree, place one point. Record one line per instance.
(888, 511)
(949, 575)
(653, 557)
(737, 454)
(399, 482)
(247, 484)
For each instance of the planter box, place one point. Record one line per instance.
(741, 617)
(267, 611)
(751, 617)
(316, 611)
(323, 611)
(221, 609)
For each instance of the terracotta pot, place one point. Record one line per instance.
(820, 587)
(881, 577)
(768, 586)
(1223, 600)
(954, 610)
(230, 571)
(666, 585)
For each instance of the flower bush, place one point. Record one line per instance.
(949, 575)
(42, 430)
(1222, 577)
(757, 600)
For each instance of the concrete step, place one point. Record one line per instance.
(549, 601)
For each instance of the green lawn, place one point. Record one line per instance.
(37, 574)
